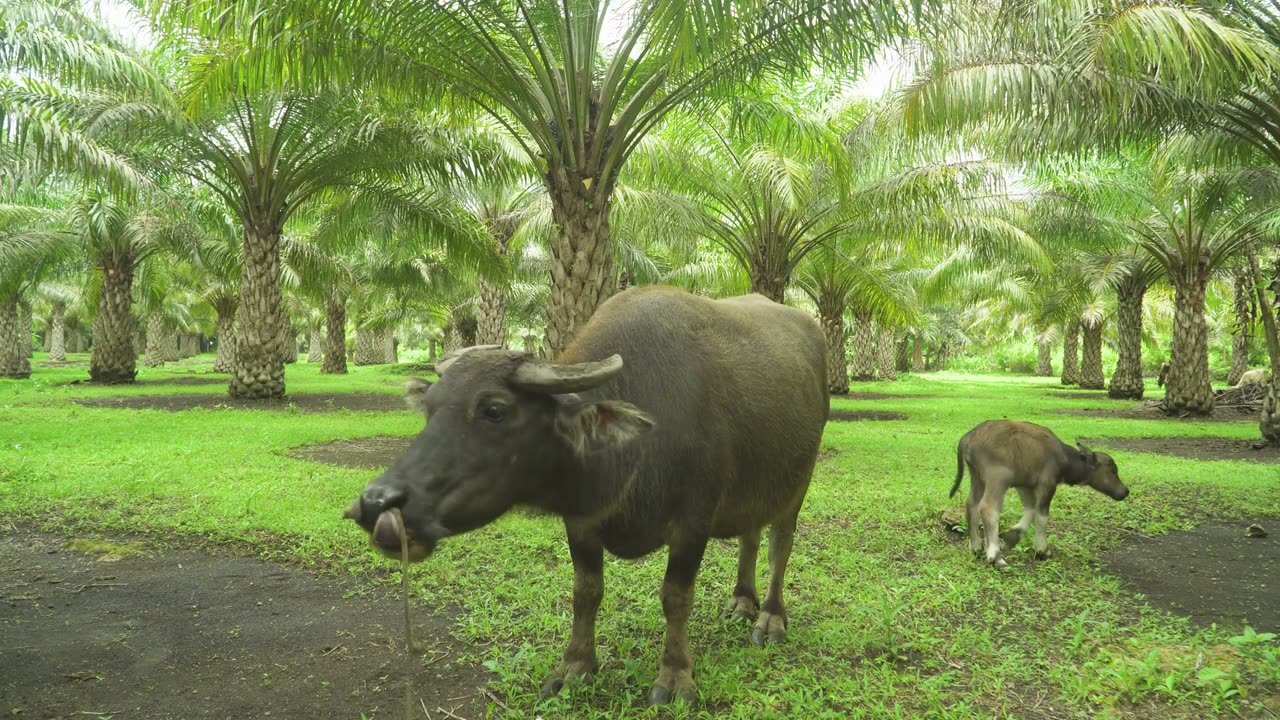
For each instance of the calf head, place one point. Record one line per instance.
(1099, 472)
(502, 429)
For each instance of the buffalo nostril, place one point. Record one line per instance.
(383, 498)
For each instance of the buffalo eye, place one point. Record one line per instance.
(494, 412)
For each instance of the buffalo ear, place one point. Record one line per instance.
(594, 426)
(415, 394)
(1086, 454)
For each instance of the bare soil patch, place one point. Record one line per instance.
(882, 396)
(194, 635)
(372, 452)
(875, 415)
(1213, 573)
(1151, 413)
(1079, 395)
(1196, 448)
(319, 402)
(188, 380)
(62, 363)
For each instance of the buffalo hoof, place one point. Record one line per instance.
(769, 628)
(741, 607)
(1011, 537)
(568, 672)
(1042, 554)
(680, 686)
(999, 563)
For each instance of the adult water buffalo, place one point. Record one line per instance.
(1003, 454)
(669, 420)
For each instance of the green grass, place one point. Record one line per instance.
(888, 618)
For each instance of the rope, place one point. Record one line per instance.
(413, 648)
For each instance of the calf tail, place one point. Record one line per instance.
(959, 466)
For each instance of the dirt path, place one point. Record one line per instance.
(1212, 573)
(1196, 448)
(873, 415)
(380, 451)
(314, 402)
(195, 635)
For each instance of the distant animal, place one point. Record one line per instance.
(1163, 376)
(1003, 454)
(1254, 377)
(710, 428)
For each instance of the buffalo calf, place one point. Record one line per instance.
(1003, 454)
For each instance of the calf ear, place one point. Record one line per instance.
(595, 426)
(415, 394)
(1086, 454)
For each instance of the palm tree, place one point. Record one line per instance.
(577, 101)
(1242, 279)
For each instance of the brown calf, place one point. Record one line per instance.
(1003, 454)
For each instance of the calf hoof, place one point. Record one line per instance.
(741, 607)
(567, 672)
(998, 563)
(1042, 554)
(679, 686)
(769, 627)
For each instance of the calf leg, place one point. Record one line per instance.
(1041, 541)
(989, 509)
(1015, 533)
(771, 625)
(745, 603)
(972, 518)
(588, 588)
(675, 671)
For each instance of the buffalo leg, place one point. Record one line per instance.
(1014, 534)
(771, 625)
(745, 602)
(588, 588)
(675, 671)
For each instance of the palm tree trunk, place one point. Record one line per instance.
(57, 333)
(1269, 418)
(13, 358)
(366, 353)
(491, 314)
(831, 316)
(225, 360)
(432, 347)
(25, 328)
(1044, 354)
(1070, 353)
(917, 354)
(1240, 330)
(1126, 381)
(1091, 377)
(315, 344)
(943, 358)
(903, 360)
(387, 345)
(768, 285)
(155, 341)
(113, 359)
(288, 340)
(170, 344)
(887, 356)
(259, 367)
(335, 336)
(1188, 390)
(864, 346)
(581, 255)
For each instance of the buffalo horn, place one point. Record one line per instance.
(558, 379)
(451, 357)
